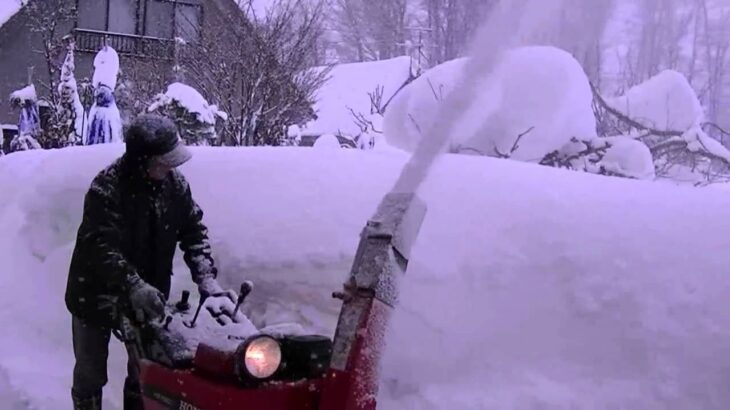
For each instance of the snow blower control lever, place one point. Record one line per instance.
(245, 290)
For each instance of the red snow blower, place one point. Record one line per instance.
(279, 371)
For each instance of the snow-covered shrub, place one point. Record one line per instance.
(533, 102)
(616, 156)
(105, 122)
(665, 102)
(68, 121)
(195, 118)
(666, 115)
(29, 123)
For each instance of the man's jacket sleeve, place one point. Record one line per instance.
(193, 238)
(103, 230)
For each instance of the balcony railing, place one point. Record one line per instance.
(128, 44)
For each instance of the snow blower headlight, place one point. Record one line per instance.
(258, 358)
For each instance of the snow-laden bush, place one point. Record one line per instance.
(665, 102)
(666, 115)
(29, 122)
(616, 156)
(105, 122)
(534, 101)
(195, 118)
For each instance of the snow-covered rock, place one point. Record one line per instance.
(551, 289)
(541, 92)
(665, 102)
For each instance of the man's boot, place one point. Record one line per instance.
(132, 395)
(87, 403)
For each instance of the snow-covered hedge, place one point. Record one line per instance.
(529, 287)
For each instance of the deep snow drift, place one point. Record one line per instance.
(530, 287)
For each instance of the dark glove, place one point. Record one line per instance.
(147, 302)
(209, 287)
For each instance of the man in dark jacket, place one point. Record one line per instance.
(135, 212)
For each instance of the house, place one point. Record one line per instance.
(145, 33)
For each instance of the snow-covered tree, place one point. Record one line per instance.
(258, 71)
(29, 123)
(195, 119)
(67, 124)
(105, 122)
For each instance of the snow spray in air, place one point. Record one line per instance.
(512, 23)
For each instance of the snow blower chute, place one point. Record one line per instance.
(279, 371)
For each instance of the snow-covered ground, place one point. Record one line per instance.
(530, 287)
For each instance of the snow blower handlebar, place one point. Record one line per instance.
(244, 291)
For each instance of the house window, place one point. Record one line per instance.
(160, 18)
(122, 16)
(187, 21)
(152, 18)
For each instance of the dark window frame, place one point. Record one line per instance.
(141, 12)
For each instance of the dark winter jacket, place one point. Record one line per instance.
(131, 225)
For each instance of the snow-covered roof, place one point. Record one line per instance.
(588, 291)
(8, 8)
(348, 87)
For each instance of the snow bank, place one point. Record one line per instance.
(664, 102)
(190, 99)
(541, 92)
(541, 289)
(348, 88)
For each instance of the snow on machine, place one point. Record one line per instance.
(188, 363)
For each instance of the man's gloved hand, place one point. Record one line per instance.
(148, 303)
(209, 286)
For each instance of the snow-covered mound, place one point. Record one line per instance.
(529, 287)
(327, 141)
(664, 102)
(628, 157)
(541, 93)
(416, 107)
(349, 87)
